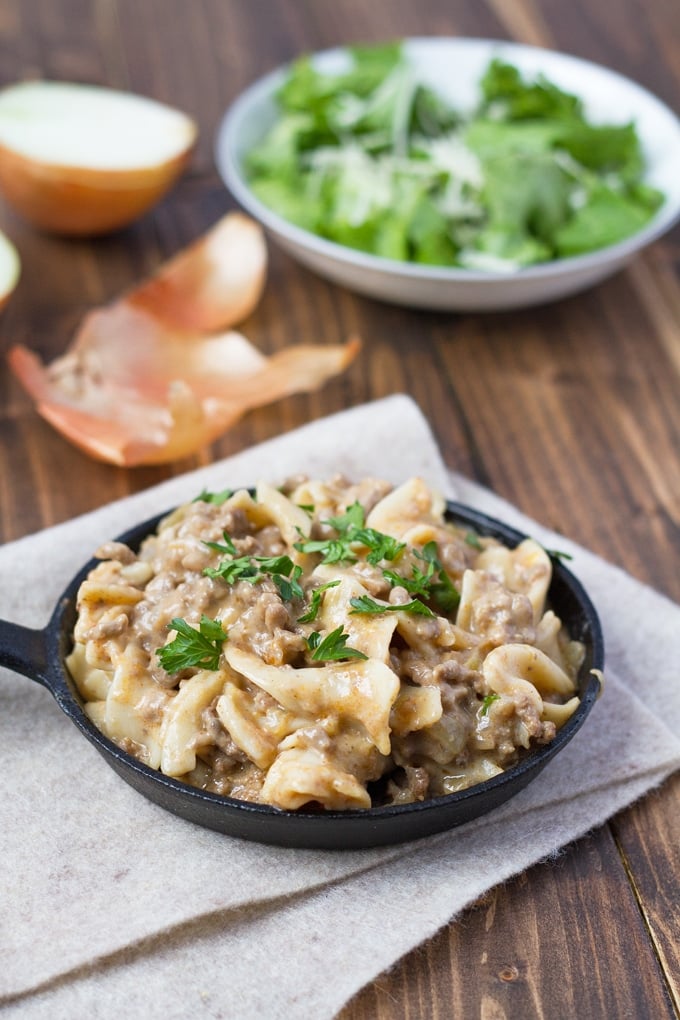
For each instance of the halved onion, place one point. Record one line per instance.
(141, 383)
(85, 160)
(10, 268)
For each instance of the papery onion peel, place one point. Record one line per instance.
(214, 283)
(143, 382)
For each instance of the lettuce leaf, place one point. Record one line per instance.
(503, 87)
(374, 159)
(606, 217)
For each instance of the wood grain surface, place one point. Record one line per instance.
(570, 410)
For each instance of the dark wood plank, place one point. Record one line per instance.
(653, 864)
(534, 948)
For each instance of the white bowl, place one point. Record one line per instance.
(454, 67)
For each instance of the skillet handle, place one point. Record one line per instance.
(24, 650)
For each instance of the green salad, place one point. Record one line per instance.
(376, 160)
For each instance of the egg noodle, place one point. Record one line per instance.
(325, 644)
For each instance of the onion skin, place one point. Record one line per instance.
(142, 420)
(213, 283)
(156, 375)
(81, 202)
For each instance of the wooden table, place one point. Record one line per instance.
(570, 410)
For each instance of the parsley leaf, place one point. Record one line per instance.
(365, 604)
(216, 498)
(442, 591)
(275, 564)
(315, 602)
(473, 539)
(228, 546)
(417, 584)
(191, 647)
(332, 647)
(382, 547)
(337, 550)
(231, 571)
(351, 520)
(488, 702)
(557, 554)
(351, 530)
(283, 572)
(289, 587)
(333, 550)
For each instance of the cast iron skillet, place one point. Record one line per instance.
(40, 654)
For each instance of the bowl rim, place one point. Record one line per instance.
(228, 163)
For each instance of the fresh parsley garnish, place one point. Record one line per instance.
(230, 571)
(352, 531)
(442, 590)
(433, 583)
(332, 647)
(333, 550)
(283, 572)
(557, 554)
(315, 601)
(417, 584)
(365, 604)
(191, 647)
(226, 547)
(488, 702)
(382, 547)
(289, 583)
(352, 519)
(473, 539)
(275, 564)
(217, 498)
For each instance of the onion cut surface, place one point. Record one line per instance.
(146, 381)
(85, 160)
(10, 268)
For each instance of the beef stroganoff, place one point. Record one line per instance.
(325, 644)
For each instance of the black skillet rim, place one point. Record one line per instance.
(417, 816)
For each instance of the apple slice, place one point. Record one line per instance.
(10, 268)
(85, 160)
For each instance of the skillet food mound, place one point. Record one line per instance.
(323, 644)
